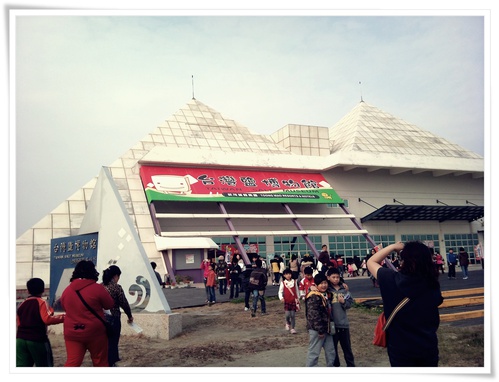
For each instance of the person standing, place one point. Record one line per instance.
(281, 267)
(221, 271)
(82, 329)
(341, 265)
(33, 316)
(205, 266)
(439, 262)
(234, 274)
(293, 265)
(258, 284)
(451, 262)
(350, 270)
(158, 276)
(211, 283)
(288, 294)
(306, 261)
(318, 313)
(412, 335)
(274, 264)
(341, 301)
(323, 259)
(246, 274)
(358, 264)
(464, 262)
(306, 282)
(240, 261)
(110, 278)
(364, 266)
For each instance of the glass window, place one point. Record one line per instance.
(295, 245)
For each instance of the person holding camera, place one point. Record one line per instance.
(412, 335)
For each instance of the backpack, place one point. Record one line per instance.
(257, 280)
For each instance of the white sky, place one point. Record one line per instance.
(87, 88)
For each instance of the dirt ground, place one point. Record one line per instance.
(224, 335)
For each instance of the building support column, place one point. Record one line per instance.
(236, 237)
(305, 236)
(157, 230)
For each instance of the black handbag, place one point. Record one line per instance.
(108, 325)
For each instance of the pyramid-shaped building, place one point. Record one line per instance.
(201, 184)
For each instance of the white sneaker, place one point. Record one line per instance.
(465, 278)
(292, 331)
(246, 309)
(287, 326)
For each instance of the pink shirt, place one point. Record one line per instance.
(205, 266)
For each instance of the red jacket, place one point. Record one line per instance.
(304, 286)
(211, 280)
(288, 291)
(80, 323)
(33, 316)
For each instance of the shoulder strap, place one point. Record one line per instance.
(394, 312)
(291, 289)
(90, 308)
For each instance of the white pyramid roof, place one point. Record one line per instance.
(368, 129)
(199, 126)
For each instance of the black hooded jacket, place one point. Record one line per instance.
(414, 329)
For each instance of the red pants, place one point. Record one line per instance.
(96, 345)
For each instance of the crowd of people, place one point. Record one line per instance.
(92, 318)
(297, 281)
(319, 285)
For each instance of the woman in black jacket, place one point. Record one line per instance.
(412, 336)
(234, 274)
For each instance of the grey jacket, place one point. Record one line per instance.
(339, 313)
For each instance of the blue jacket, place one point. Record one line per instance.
(451, 258)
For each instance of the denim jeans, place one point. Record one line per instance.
(464, 268)
(259, 295)
(223, 286)
(211, 291)
(247, 294)
(113, 341)
(315, 345)
(234, 285)
(206, 289)
(276, 277)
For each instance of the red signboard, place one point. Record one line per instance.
(229, 185)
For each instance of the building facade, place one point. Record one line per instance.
(200, 183)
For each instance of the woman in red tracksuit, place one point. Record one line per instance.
(82, 330)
